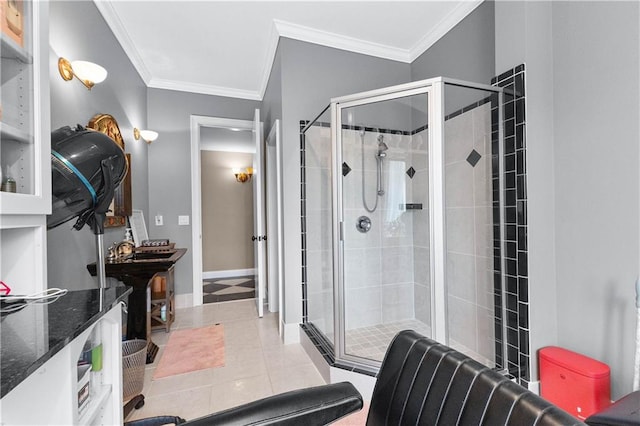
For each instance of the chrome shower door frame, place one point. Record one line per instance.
(435, 90)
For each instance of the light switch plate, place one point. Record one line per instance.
(158, 220)
(183, 220)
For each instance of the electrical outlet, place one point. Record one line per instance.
(183, 220)
(158, 220)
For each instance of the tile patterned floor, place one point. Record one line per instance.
(372, 342)
(257, 365)
(226, 289)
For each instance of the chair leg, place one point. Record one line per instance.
(136, 402)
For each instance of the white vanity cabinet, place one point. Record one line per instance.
(25, 144)
(44, 352)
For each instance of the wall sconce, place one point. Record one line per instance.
(88, 73)
(243, 175)
(147, 135)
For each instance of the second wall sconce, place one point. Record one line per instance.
(243, 175)
(147, 135)
(88, 73)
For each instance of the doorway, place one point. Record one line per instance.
(213, 134)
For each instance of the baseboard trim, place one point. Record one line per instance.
(291, 333)
(184, 300)
(208, 275)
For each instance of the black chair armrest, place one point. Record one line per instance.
(319, 405)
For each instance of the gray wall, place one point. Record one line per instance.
(583, 183)
(596, 109)
(466, 52)
(271, 109)
(310, 75)
(170, 164)
(78, 32)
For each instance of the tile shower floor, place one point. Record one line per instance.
(257, 365)
(372, 342)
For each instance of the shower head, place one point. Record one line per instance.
(382, 147)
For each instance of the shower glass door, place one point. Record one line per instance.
(382, 201)
(472, 217)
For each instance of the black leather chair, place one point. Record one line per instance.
(421, 382)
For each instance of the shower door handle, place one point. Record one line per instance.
(253, 238)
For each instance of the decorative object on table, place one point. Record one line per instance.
(8, 184)
(138, 227)
(121, 207)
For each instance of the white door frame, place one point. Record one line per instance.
(274, 221)
(198, 121)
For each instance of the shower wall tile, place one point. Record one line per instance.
(398, 232)
(421, 269)
(364, 306)
(462, 318)
(483, 222)
(316, 184)
(482, 182)
(460, 230)
(484, 282)
(422, 303)
(357, 239)
(485, 337)
(421, 231)
(461, 271)
(397, 302)
(362, 267)
(458, 193)
(318, 230)
(481, 120)
(458, 133)
(396, 265)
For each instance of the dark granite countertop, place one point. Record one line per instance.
(31, 336)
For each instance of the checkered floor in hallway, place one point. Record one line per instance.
(228, 288)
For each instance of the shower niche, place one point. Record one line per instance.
(402, 221)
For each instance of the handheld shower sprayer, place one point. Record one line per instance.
(382, 147)
(380, 155)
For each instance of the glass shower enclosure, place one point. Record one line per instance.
(402, 218)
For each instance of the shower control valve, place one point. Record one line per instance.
(363, 224)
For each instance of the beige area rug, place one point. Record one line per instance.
(192, 350)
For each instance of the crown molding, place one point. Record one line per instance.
(270, 57)
(325, 38)
(205, 89)
(289, 30)
(445, 25)
(120, 32)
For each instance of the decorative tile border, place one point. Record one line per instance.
(516, 294)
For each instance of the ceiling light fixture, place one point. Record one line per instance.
(88, 73)
(147, 135)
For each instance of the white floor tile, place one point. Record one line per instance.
(257, 364)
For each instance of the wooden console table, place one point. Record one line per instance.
(137, 271)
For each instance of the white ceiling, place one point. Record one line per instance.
(227, 48)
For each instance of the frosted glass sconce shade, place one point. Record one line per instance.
(147, 135)
(88, 73)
